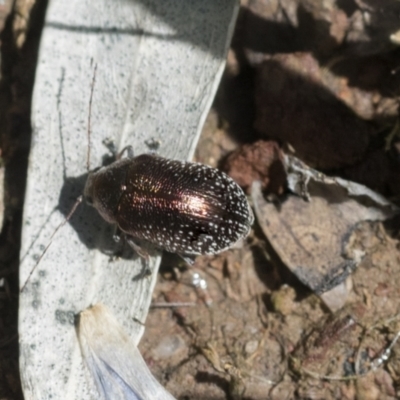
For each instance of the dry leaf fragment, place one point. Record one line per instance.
(312, 229)
(114, 362)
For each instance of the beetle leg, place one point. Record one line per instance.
(128, 149)
(189, 259)
(153, 145)
(142, 253)
(117, 234)
(109, 143)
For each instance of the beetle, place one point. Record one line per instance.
(182, 207)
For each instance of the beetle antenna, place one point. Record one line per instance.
(67, 218)
(60, 122)
(90, 117)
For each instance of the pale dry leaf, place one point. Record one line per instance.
(158, 67)
(114, 361)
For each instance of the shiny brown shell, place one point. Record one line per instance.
(182, 207)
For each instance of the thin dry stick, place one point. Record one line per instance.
(171, 305)
(374, 365)
(380, 360)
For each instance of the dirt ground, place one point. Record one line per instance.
(317, 79)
